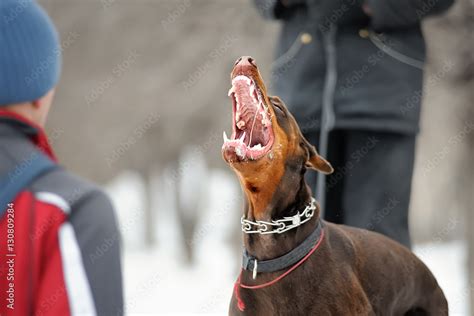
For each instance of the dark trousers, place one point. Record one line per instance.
(371, 184)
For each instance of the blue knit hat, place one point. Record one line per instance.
(30, 53)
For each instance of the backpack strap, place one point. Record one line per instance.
(23, 174)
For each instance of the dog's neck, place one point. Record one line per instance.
(269, 246)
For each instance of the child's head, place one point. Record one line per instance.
(30, 59)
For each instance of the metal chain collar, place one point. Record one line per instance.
(281, 225)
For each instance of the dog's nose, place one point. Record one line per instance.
(246, 61)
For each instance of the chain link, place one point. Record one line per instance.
(281, 225)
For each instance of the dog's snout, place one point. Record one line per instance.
(246, 61)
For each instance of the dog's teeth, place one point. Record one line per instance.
(240, 152)
(241, 77)
(231, 90)
(258, 146)
(237, 116)
(236, 79)
(240, 124)
(224, 135)
(259, 107)
(242, 138)
(265, 120)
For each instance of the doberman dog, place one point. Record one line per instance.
(294, 262)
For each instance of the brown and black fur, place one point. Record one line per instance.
(354, 271)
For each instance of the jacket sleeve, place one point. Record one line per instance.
(276, 9)
(391, 14)
(97, 236)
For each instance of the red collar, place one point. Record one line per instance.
(38, 136)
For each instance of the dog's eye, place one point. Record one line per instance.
(279, 109)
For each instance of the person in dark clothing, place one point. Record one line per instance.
(59, 232)
(351, 73)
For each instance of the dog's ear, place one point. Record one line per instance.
(315, 161)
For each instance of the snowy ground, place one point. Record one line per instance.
(447, 261)
(157, 282)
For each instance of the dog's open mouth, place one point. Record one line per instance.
(252, 134)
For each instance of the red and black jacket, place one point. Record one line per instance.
(64, 235)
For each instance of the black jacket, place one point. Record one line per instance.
(366, 72)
